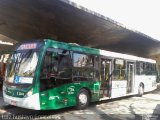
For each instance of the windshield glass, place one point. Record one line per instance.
(21, 67)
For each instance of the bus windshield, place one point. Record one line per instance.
(21, 67)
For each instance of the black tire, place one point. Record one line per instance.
(82, 99)
(141, 90)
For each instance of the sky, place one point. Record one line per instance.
(140, 15)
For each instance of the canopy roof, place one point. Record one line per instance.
(22, 20)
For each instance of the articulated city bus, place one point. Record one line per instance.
(49, 74)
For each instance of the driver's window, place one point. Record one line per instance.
(50, 65)
(56, 68)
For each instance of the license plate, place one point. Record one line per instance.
(13, 103)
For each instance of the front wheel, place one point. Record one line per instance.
(82, 99)
(140, 90)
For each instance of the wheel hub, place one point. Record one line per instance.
(82, 98)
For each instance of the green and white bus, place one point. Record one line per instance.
(48, 74)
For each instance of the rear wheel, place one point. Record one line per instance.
(140, 90)
(82, 99)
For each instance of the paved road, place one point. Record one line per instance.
(128, 108)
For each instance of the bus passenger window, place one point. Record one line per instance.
(83, 67)
(148, 69)
(153, 69)
(119, 69)
(142, 68)
(138, 68)
(96, 68)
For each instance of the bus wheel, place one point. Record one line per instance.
(82, 99)
(140, 90)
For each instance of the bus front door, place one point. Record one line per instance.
(105, 78)
(130, 78)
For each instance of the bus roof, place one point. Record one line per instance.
(125, 56)
(78, 48)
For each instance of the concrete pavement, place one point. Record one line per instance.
(126, 108)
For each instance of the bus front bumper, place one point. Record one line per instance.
(31, 102)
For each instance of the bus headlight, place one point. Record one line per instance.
(29, 93)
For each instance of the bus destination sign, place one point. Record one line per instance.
(27, 46)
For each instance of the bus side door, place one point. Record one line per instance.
(105, 77)
(130, 77)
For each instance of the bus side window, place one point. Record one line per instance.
(153, 69)
(49, 68)
(65, 65)
(56, 68)
(64, 75)
(148, 69)
(138, 68)
(83, 69)
(119, 69)
(97, 68)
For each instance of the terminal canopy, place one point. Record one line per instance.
(62, 20)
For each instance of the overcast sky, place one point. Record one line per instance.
(140, 15)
